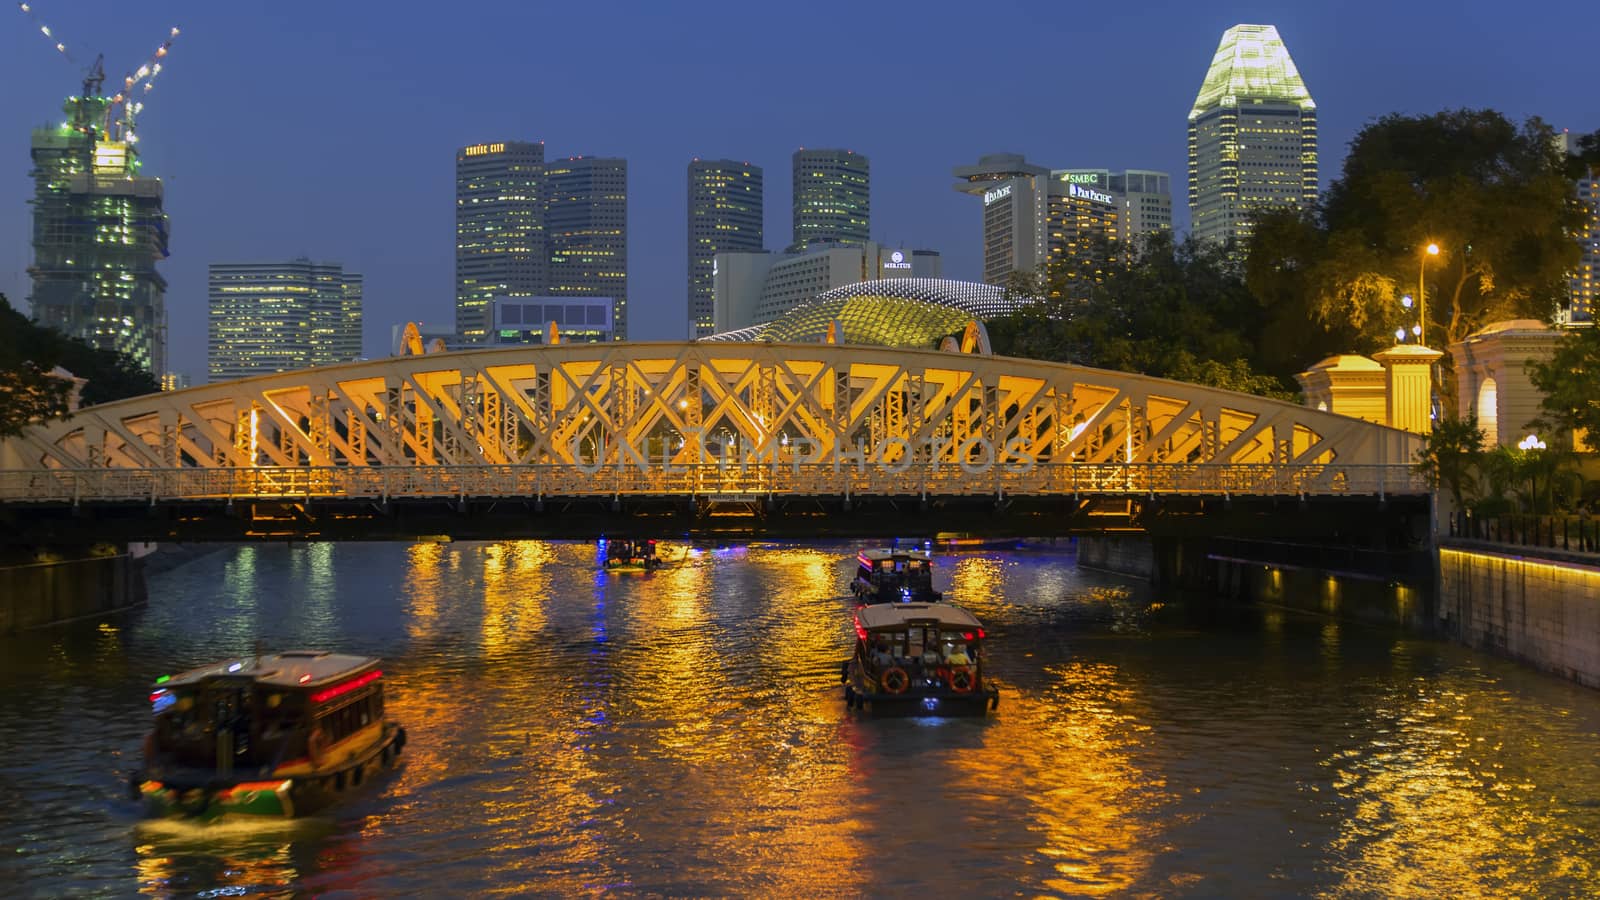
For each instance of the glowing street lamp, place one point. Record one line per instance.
(1431, 249)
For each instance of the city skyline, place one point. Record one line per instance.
(287, 156)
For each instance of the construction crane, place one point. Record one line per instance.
(125, 105)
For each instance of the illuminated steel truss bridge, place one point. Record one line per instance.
(551, 437)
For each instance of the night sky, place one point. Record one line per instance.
(328, 129)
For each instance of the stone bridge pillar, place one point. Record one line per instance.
(1491, 378)
(1408, 380)
(1395, 389)
(1349, 385)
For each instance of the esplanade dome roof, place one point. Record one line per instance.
(890, 312)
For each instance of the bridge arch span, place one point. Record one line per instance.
(642, 418)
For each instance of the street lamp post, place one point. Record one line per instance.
(1422, 296)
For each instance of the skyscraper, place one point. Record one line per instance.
(832, 198)
(725, 215)
(586, 226)
(1583, 283)
(98, 231)
(1079, 218)
(1005, 182)
(500, 240)
(1252, 136)
(279, 316)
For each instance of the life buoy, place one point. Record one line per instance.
(961, 681)
(316, 743)
(895, 680)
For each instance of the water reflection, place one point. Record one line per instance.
(681, 732)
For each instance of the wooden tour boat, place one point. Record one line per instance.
(625, 555)
(918, 659)
(894, 575)
(280, 734)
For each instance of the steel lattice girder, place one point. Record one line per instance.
(658, 405)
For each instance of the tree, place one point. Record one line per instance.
(1450, 456)
(1568, 381)
(1177, 311)
(1495, 198)
(29, 352)
(1586, 160)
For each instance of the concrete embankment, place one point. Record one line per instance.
(53, 586)
(1543, 609)
(59, 585)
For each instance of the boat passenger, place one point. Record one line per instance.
(930, 657)
(958, 655)
(881, 657)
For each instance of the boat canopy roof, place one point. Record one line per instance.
(879, 616)
(881, 553)
(289, 669)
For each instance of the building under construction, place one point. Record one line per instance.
(98, 232)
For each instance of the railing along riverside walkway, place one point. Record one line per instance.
(1578, 534)
(787, 479)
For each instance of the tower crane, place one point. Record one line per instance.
(122, 108)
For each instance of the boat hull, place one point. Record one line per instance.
(196, 794)
(918, 699)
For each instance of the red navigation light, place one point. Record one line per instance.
(346, 687)
(157, 696)
(860, 632)
(966, 635)
(980, 634)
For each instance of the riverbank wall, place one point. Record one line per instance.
(1380, 587)
(65, 584)
(1542, 610)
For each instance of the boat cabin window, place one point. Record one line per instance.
(340, 722)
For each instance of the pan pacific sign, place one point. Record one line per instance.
(1075, 190)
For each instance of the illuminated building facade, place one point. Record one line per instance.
(523, 320)
(1583, 285)
(754, 288)
(1252, 136)
(1005, 183)
(500, 240)
(832, 198)
(586, 225)
(890, 312)
(98, 231)
(281, 316)
(725, 215)
(1082, 227)
(1034, 216)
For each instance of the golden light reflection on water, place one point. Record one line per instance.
(681, 733)
(241, 857)
(516, 584)
(1437, 804)
(1094, 807)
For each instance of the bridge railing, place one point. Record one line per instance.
(806, 479)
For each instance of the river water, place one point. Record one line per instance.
(683, 733)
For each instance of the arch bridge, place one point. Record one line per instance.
(666, 437)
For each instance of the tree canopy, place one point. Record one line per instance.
(1494, 197)
(29, 352)
(1177, 311)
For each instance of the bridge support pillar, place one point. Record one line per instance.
(51, 585)
(1409, 370)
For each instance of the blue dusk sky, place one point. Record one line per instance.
(328, 129)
